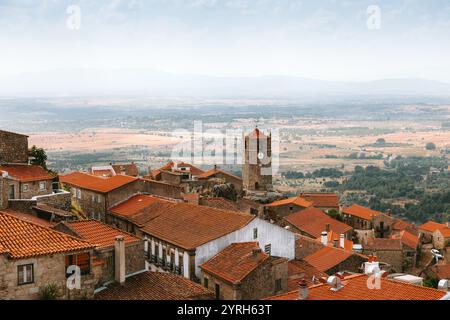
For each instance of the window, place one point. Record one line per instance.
(278, 287)
(79, 193)
(25, 188)
(82, 260)
(291, 208)
(217, 291)
(25, 274)
(93, 199)
(255, 233)
(181, 266)
(268, 249)
(206, 282)
(42, 185)
(99, 199)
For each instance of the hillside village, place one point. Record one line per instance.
(183, 233)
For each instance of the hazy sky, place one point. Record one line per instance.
(321, 39)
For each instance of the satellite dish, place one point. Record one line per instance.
(334, 282)
(444, 284)
(434, 251)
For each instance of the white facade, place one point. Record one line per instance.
(282, 241)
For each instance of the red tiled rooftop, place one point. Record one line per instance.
(328, 257)
(387, 244)
(431, 226)
(445, 232)
(155, 286)
(361, 212)
(134, 205)
(409, 239)
(29, 217)
(235, 262)
(335, 236)
(26, 173)
(98, 233)
(90, 182)
(23, 239)
(299, 201)
(355, 288)
(322, 200)
(170, 167)
(212, 172)
(300, 269)
(188, 225)
(313, 221)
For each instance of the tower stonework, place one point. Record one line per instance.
(257, 169)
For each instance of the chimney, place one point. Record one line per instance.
(3, 191)
(342, 240)
(389, 212)
(256, 251)
(324, 238)
(336, 243)
(447, 224)
(327, 227)
(119, 259)
(303, 291)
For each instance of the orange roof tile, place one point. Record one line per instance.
(327, 257)
(24, 239)
(322, 200)
(409, 239)
(355, 288)
(187, 225)
(313, 221)
(294, 200)
(431, 226)
(212, 172)
(29, 217)
(155, 286)
(445, 232)
(361, 212)
(90, 182)
(400, 224)
(98, 233)
(235, 262)
(26, 173)
(134, 205)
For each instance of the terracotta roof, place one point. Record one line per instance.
(400, 224)
(212, 172)
(129, 169)
(328, 257)
(431, 226)
(300, 269)
(98, 233)
(313, 221)
(322, 200)
(383, 244)
(26, 173)
(155, 286)
(235, 262)
(90, 182)
(445, 232)
(361, 212)
(170, 167)
(299, 201)
(29, 217)
(442, 271)
(187, 225)
(355, 288)
(24, 239)
(134, 205)
(409, 239)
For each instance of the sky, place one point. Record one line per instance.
(319, 39)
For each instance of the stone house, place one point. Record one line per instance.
(441, 238)
(359, 217)
(27, 267)
(26, 181)
(427, 230)
(280, 209)
(322, 201)
(93, 195)
(104, 238)
(389, 251)
(242, 271)
(182, 236)
(126, 169)
(13, 148)
(225, 177)
(176, 173)
(300, 270)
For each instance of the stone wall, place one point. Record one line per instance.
(28, 190)
(279, 212)
(305, 246)
(47, 270)
(392, 257)
(3, 193)
(252, 177)
(351, 264)
(61, 200)
(13, 148)
(162, 189)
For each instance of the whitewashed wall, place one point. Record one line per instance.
(282, 241)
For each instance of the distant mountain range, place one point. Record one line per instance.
(144, 82)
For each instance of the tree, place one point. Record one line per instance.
(335, 214)
(430, 146)
(39, 157)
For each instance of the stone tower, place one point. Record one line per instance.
(257, 169)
